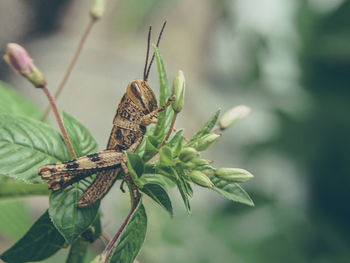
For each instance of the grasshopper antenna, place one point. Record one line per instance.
(147, 54)
(159, 37)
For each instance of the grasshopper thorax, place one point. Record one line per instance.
(141, 93)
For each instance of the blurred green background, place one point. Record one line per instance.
(288, 60)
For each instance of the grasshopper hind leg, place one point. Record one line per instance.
(99, 187)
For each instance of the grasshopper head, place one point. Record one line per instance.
(142, 94)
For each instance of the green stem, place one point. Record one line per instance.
(11, 188)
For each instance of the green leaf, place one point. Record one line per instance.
(136, 164)
(136, 167)
(164, 91)
(12, 102)
(94, 230)
(183, 187)
(70, 220)
(153, 140)
(25, 145)
(132, 238)
(175, 143)
(15, 218)
(40, 242)
(208, 126)
(231, 191)
(82, 141)
(177, 137)
(178, 147)
(167, 171)
(186, 186)
(77, 251)
(183, 191)
(150, 150)
(165, 157)
(159, 179)
(141, 148)
(158, 194)
(164, 117)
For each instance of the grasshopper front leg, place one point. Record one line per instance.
(61, 175)
(148, 119)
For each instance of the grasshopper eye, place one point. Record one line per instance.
(135, 89)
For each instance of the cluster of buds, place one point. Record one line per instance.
(20, 61)
(191, 160)
(190, 157)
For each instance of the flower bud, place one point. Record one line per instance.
(207, 140)
(187, 154)
(233, 115)
(20, 61)
(201, 179)
(178, 91)
(97, 9)
(235, 175)
(199, 161)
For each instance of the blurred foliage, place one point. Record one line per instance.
(15, 218)
(134, 13)
(316, 142)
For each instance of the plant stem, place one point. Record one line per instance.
(105, 236)
(71, 65)
(108, 250)
(170, 130)
(166, 137)
(59, 121)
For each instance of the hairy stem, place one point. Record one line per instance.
(59, 122)
(71, 65)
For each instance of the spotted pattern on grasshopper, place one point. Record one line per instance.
(136, 110)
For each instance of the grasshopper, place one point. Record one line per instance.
(136, 110)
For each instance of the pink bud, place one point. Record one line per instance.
(20, 61)
(18, 58)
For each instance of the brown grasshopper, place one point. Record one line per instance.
(136, 110)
